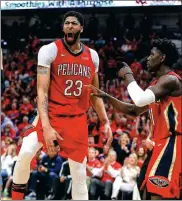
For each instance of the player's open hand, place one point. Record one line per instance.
(109, 135)
(97, 92)
(50, 137)
(124, 70)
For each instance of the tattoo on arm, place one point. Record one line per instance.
(42, 70)
(45, 105)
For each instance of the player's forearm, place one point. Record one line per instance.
(42, 102)
(98, 105)
(120, 106)
(126, 108)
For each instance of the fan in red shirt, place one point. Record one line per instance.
(22, 126)
(26, 108)
(9, 131)
(5, 101)
(109, 171)
(13, 114)
(92, 163)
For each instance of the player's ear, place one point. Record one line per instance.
(163, 57)
(81, 30)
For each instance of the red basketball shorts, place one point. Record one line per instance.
(73, 130)
(163, 173)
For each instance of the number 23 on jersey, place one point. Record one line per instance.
(77, 85)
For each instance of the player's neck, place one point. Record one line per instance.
(75, 48)
(163, 71)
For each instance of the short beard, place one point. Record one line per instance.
(76, 35)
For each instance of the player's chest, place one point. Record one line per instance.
(68, 66)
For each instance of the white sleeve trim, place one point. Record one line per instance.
(47, 55)
(140, 97)
(95, 59)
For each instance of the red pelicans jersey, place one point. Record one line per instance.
(69, 73)
(166, 115)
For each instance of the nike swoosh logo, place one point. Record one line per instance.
(63, 55)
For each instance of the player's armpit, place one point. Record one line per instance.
(165, 86)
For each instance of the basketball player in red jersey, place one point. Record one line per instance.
(64, 67)
(163, 99)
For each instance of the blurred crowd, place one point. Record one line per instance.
(111, 174)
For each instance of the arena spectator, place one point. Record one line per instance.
(66, 181)
(26, 108)
(122, 147)
(128, 176)
(5, 121)
(141, 154)
(109, 171)
(92, 162)
(13, 114)
(48, 175)
(23, 125)
(7, 161)
(103, 155)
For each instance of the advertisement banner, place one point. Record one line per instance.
(13, 5)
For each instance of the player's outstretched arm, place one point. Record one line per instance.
(126, 108)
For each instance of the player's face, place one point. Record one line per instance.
(72, 29)
(155, 60)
